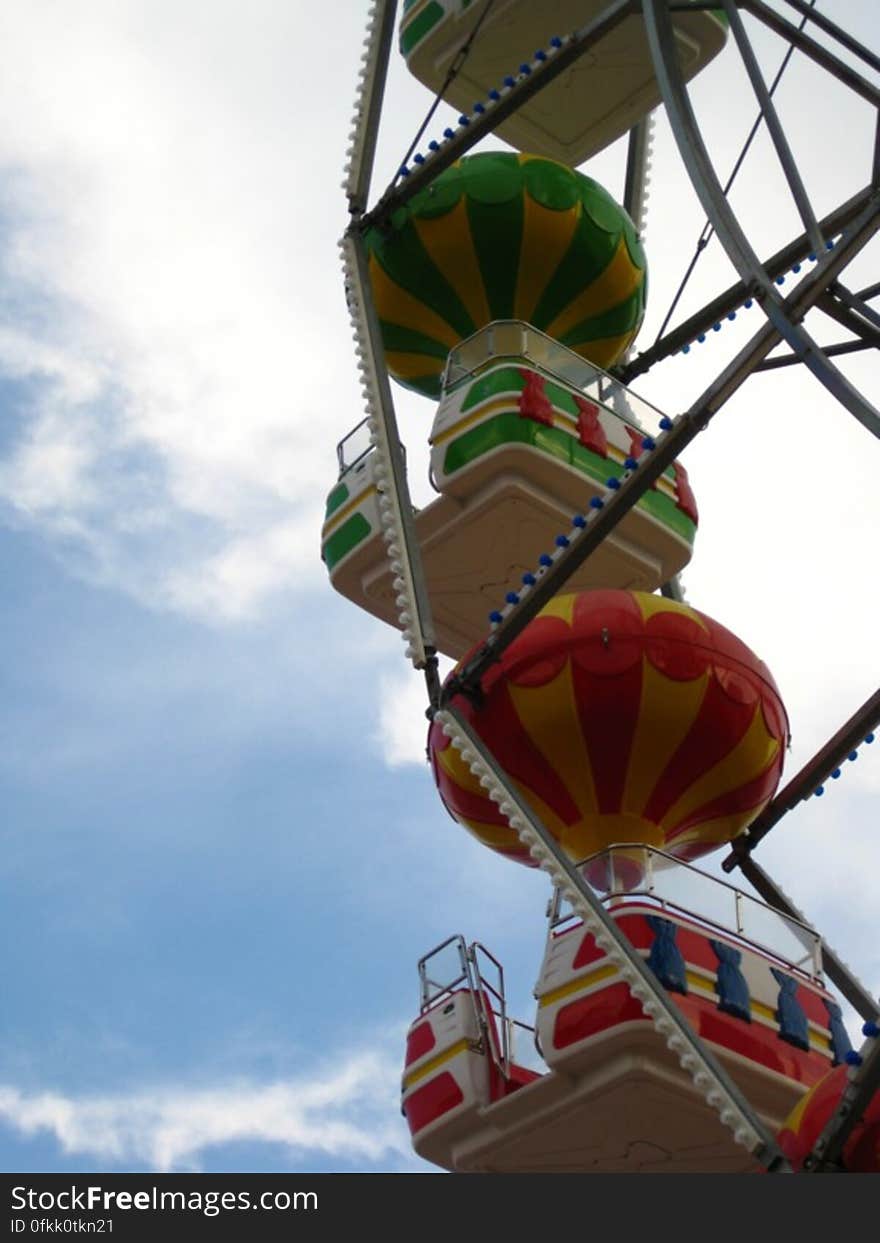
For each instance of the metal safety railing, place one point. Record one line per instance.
(458, 965)
(651, 875)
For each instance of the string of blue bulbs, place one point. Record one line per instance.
(479, 108)
(702, 337)
(852, 757)
(579, 522)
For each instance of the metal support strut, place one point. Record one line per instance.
(389, 471)
(658, 25)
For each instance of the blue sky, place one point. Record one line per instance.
(220, 856)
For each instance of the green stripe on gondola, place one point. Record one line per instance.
(420, 26)
(504, 380)
(587, 257)
(408, 341)
(429, 385)
(341, 542)
(614, 323)
(412, 267)
(337, 497)
(497, 179)
(506, 429)
(507, 380)
(553, 185)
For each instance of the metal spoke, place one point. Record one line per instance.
(830, 351)
(779, 264)
(739, 250)
(825, 23)
(815, 51)
(771, 120)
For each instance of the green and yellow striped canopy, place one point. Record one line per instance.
(505, 236)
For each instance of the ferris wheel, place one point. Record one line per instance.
(596, 725)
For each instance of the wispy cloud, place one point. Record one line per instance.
(174, 331)
(403, 728)
(348, 1113)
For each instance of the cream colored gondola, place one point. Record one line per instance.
(526, 435)
(602, 95)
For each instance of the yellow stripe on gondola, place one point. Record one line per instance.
(458, 771)
(654, 744)
(561, 607)
(697, 981)
(712, 833)
(653, 747)
(498, 405)
(396, 306)
(613, 286)
(546, 236)
(583, 982)
(498, 837)
(549, 715)
(449, 242)
(434, 1063)
(649, 606)
(341, 514)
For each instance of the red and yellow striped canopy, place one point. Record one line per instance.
(622, 717)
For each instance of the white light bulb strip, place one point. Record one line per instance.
(363, 93)
(641, 214)
(389, 504)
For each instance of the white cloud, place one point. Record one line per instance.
(348, 1113)
(172, 301)
(403, 729)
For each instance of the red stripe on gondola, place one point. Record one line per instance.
(498, 722)
(607, 676)
(754, 1041)
(431, 1101)
(536, 657)
(728, 645)
(593, 1014)
(461, 802)
(419, 1042)
(609, 715)
(677, 646)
